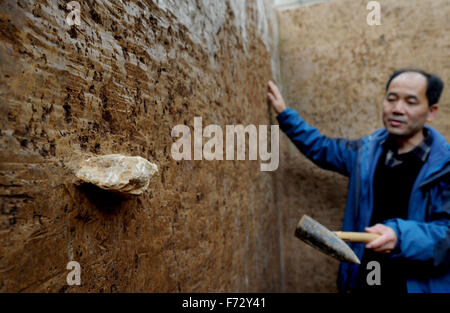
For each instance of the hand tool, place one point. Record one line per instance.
(329, 242)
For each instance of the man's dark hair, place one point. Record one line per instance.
(434, 84)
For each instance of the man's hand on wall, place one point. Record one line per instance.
(275, 98)
(387, 240)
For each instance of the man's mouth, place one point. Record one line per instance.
(396, 122)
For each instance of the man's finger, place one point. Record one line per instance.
(377, 243)
(377, 228)
(271, 98)
(274, 89)
(380, 247)
(271, 87)
(384, 248)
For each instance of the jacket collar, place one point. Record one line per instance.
(437, 175)
(420, 151)
(438, 160)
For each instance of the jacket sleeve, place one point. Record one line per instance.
(335, 154)
(427, 242)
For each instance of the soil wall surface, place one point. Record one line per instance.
(118, 83)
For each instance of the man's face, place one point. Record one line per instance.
(405, 106)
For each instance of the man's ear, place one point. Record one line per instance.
(432, 111)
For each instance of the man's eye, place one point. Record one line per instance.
(391, 99)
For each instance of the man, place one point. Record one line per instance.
(398, 185)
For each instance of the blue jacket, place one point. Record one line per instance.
(424, 238)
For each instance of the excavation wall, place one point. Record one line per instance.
(118, 83)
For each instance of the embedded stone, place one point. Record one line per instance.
(118, 173)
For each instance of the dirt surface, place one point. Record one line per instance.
(334, 67)
(119, 83)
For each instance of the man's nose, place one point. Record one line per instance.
(399, 107)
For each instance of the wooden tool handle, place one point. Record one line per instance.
(356, 237)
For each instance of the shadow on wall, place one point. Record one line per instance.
(105, 201)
